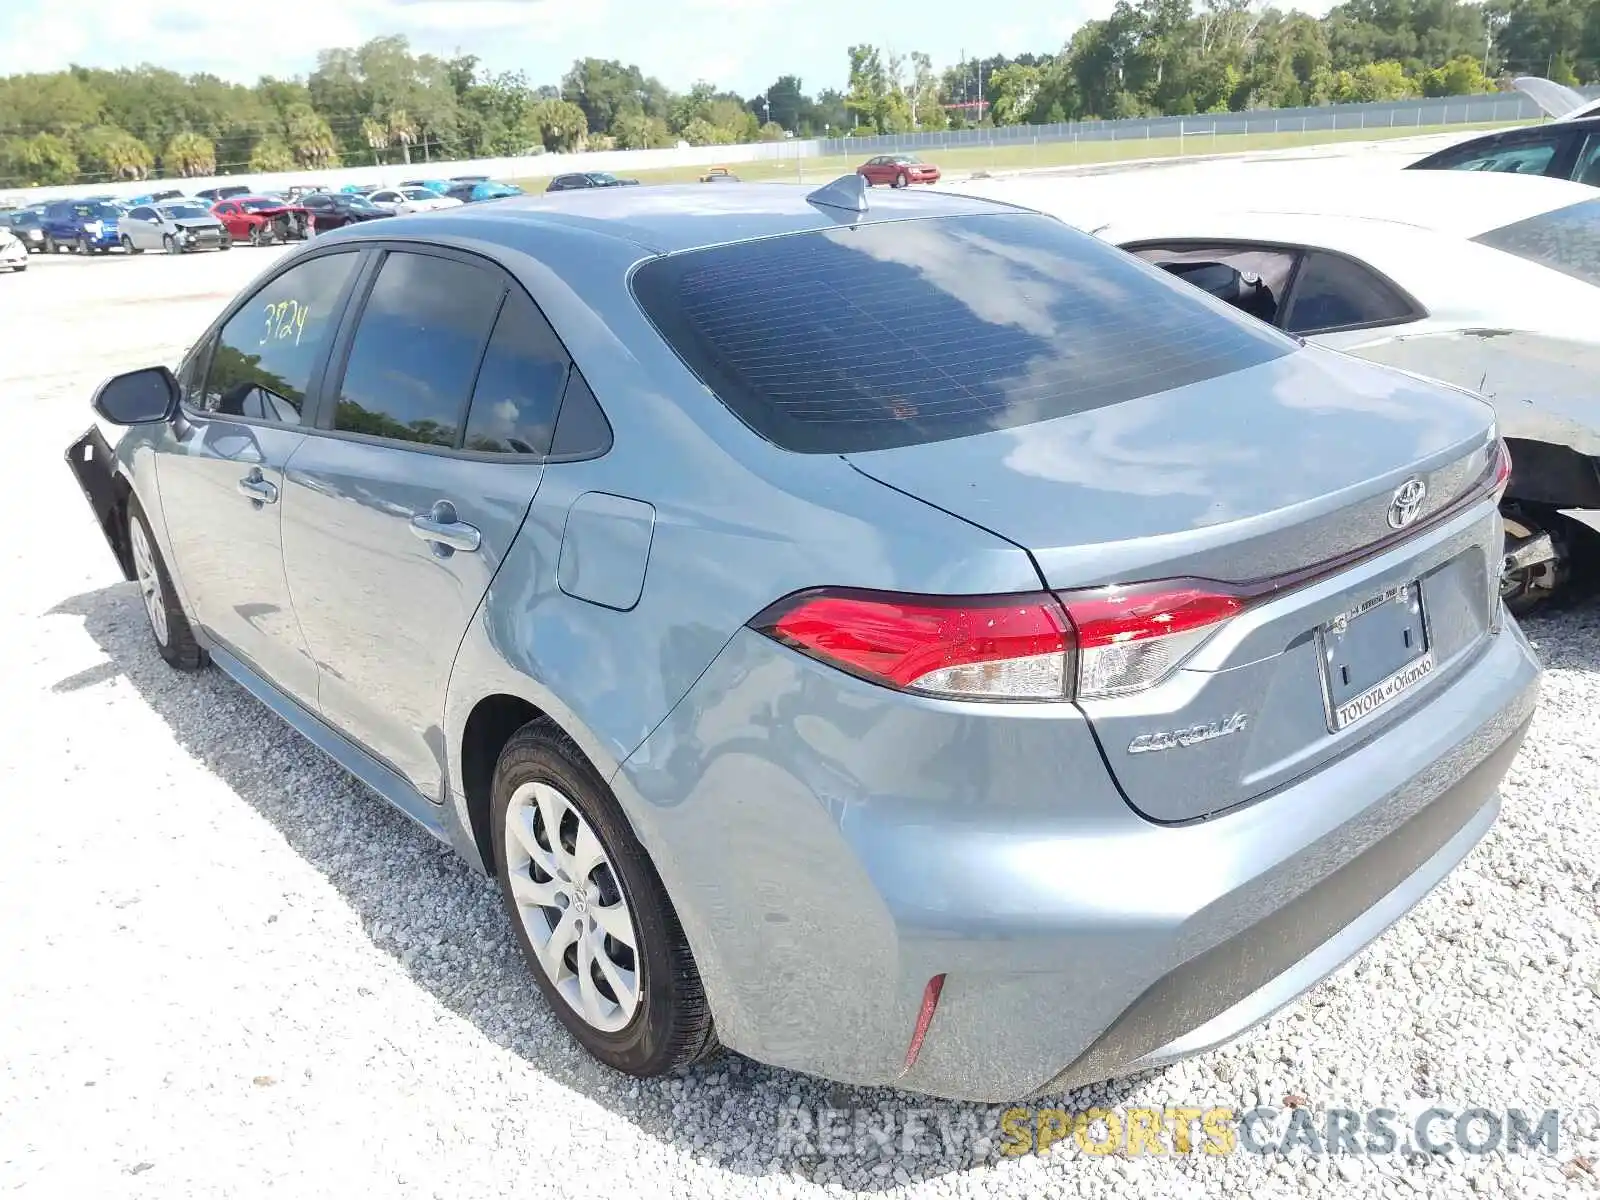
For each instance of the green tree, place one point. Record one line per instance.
(189, 155)
(309, 139)
(39, 160)
(1015, 92)
(271, 155)
(636, 131)
(113, 153)
(1461, 76)
(402, 132)
(556, 125)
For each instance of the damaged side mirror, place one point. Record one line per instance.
(140, 397)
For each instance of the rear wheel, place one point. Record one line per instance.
(168, 625)
(49, 246)
(1538, 560)
(128, 246)
(590, 914)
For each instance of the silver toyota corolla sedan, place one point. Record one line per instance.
(916, 645)
(176, 226)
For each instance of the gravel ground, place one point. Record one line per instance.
(228, 970)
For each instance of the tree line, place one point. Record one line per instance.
(381, 103)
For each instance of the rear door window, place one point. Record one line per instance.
(1519, 156)
(1565, 239)
(1254, 279)
(416, 349)
(519, 385)
(1333, 293)
(902, 332)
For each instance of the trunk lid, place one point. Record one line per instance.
(1271, 477)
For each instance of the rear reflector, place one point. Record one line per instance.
(930, 1004)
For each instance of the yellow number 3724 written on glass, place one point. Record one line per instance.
(285, 319)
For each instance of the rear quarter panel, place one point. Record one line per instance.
(737, 525)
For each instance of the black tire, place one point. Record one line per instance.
(128, 246)
(49, 246)
(902, 180)
(179, 648)
(255, 235)
(226, 243)
(672, 1027)
(170, 244)
(81, 246)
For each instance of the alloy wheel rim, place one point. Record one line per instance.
(572, 907)
(144, 568)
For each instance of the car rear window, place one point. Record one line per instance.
(898, 333)
(1564, 239)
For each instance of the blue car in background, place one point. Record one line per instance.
(470, 193)
(433, 185)
(81, 226)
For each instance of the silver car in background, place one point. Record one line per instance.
(402, 200)
(923, 646)
(175, 226)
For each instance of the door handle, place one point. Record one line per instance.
(258, 490)
(440, 527)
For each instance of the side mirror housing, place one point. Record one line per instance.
(141, 397)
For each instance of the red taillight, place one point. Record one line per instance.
(1032, 646)
(1130, 638)
(978, 647)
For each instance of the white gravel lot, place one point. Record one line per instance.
(228, 970)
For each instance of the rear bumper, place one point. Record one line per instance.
(831, 846)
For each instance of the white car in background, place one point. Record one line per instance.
(1490, 282)
(13, 253)
(411, 199)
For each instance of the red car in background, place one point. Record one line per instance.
(898, 170)
(262, 220)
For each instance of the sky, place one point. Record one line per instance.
(742, 45)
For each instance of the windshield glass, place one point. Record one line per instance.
(602, 176)
(96, 212)
(359, 202)
(1565, 240)
(184, 210)
(905, 332)
(260, 203)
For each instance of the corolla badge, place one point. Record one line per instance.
(1191, 735)
(1407, 503)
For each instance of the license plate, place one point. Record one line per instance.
(1374, 654)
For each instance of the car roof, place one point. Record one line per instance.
(1461, 204)
(668, 218)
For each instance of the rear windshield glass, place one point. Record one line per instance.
(1565, 240)
(904, 332)
(185, 210)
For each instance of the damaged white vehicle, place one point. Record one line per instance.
(1490, 282)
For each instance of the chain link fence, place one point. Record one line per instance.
(1391, 116)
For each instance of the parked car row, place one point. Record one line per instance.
(217, 218)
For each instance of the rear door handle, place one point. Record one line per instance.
(440, 527)
(258, 490)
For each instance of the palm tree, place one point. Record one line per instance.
(403, 129)
(377, 135)
(126, 156)
(310, 139)
(189, 155)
